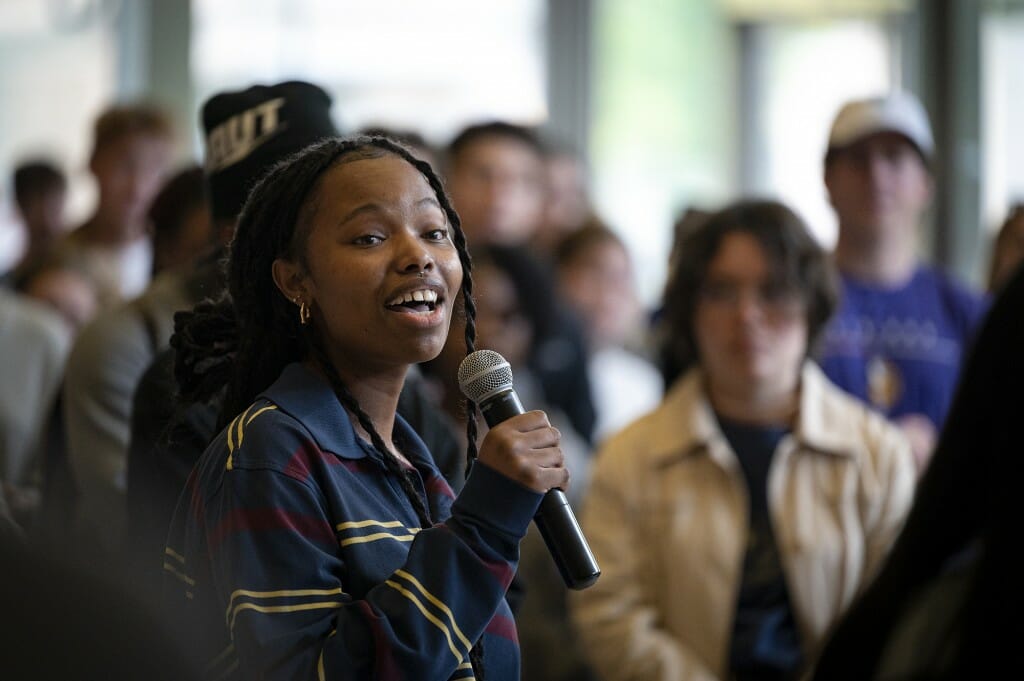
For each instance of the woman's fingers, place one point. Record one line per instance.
(527, 449)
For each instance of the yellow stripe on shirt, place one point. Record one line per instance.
(354, 524)
(430, 616)
(180, 575)
(436, 601)
(281, 593)
(320, 662)
(257, 413)
(236, 430)
(241, 424)
(279, 609)
(241, 432)
(231, 443)
(377, 537)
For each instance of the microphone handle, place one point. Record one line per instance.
(565, 541)
(554, 518)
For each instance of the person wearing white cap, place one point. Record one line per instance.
(898, 336)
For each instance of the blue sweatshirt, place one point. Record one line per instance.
(899, 349)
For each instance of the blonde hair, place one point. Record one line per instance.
(120, 121)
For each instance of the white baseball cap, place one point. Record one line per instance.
(899, 112)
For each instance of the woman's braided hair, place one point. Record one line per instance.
(244, 340)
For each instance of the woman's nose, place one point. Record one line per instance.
(413, 255)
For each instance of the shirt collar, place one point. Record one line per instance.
(308, 398)
(687, 412)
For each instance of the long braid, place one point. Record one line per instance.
(459, 239)
(350, 403)
(470, 337)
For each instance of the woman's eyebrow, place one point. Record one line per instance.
(361, 210)
(373, 207)
(429, 201)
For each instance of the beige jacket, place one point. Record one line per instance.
(666, 516)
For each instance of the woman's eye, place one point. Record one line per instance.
(439, 234)
(368, 240)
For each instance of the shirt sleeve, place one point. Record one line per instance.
(108, 358)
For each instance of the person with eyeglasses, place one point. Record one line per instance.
(737, 521)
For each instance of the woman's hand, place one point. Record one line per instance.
(526, 448)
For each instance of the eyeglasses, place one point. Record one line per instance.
(776, 299)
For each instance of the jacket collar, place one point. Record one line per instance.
(308, 398)
(689, 425)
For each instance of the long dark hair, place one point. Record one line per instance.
(796, 260)
(244, 340)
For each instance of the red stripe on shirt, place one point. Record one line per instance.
(436, 485)
(261, 519)
(503, 626)
(502, 571)
(383, 660)
(300, 465)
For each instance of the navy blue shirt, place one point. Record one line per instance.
(294, 553)
(765, 643)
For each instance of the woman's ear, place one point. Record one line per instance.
(291, 280)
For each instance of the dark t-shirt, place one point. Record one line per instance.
(765, 642)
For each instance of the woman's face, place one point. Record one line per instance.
(383, 272)
(751, 333)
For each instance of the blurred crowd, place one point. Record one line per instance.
(794, 464)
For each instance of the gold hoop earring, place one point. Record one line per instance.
(304, 313)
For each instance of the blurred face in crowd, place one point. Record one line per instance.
(130, 171)
(501, 324)
(566, 206)
(751, 331)
(497, 186)
(43, 214)
(191, 240)
(879, 187)
(598, 283)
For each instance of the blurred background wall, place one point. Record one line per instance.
(673, 103)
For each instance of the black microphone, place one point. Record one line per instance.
(486, 378)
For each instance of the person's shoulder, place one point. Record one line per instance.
(19, 309)
(31, 324)
(262, 440)
(263, 436)
(850, 423)
(110, 341)
(965, 304)
(948, 284)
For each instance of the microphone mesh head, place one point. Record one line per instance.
(484, 373)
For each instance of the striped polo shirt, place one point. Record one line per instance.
(295, 554)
